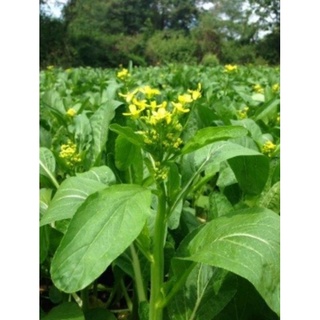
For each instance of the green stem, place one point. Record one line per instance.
(77, 299)
(137, 275)
(85, 299)
(125, 294)
(157, 265)
(178, 285)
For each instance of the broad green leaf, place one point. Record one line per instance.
(74, 191)
(206, 292)
(100, 121)
(208, 135)
(102, 228)
(212, 154)
(247, 244)
(47, 162)
(127, 133)
(65, 311)
(251, 172)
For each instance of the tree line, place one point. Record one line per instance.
(108, 33)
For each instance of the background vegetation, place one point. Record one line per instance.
(151, 32)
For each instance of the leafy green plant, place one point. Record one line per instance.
(175, 197)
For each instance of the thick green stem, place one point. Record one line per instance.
(137, 275)
(157, 265)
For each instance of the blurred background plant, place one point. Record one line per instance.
(109, 33)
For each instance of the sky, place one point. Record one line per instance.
(55, 8)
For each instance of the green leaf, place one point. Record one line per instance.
(268, 111)
(208, 135)
(102, 228)
(212, 154)
(254, 130)
(246, 304)
(99, 314)
(251, 172)
(127, 133)
(206, 292)
(100, 121)
(74, 191)
(271, 199)
(47, 162)
(65, 311)
(45, 198)
(219, 205)
(247, 244)
(44, 237)
(258, 97)
(82, 131)
(126, 153)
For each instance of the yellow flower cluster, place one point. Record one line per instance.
(257, 88)
(242, 114)
(123, 74)
(159, 121)
(268, 148)
(276, 88)
(68, 152)
(230, 68)
(71, 112)
(144, 106)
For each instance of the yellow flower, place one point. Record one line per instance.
(230, 68)
(129, 96)
(68, 152)
(196, 94)
(268, 147)
(141, 104)
(243, 112)
(185, 98)
(276, 88)
(161, 114)
(71, 112)
(178, 108)
(149, 92)
(123, 74)
(257, 88)
(134, 112)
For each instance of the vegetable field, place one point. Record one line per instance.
(160, 193)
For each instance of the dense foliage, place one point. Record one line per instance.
(159, 193)
(109, 33)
